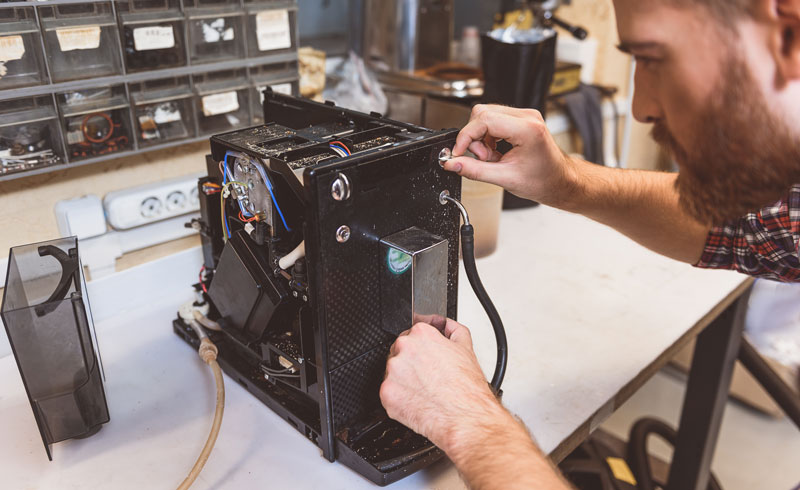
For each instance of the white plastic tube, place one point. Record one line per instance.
(289, 259)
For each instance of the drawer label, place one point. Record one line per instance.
(281, 88)
(72, 38)
(272, 30)
(221, 103)
(11, 48)
(153, 37)
(166, 114)
(216, 31)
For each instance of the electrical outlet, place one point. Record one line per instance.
(150, 208)
(176, 200)
(141, 205)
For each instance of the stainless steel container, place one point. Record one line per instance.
(407, 35)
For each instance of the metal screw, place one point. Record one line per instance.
(444, 156)
(340, 189)
(305, 298)
(343, 234)
(294, 293)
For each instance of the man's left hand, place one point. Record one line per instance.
(434, 384)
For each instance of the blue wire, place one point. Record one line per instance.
(268, 183)
(341, 148)
(269, 188)
(225, 173)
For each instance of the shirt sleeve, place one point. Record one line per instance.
(762, 244)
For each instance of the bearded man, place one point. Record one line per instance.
(720, 82)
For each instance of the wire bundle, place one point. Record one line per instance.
(244, 215)
(279, 373)
(211, 188)
(340, 149)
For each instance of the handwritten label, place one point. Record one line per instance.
(272, 30)
(221, 103)
(70, 39)
(153, 37)
(11, 48)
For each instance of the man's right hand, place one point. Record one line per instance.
(535, 168)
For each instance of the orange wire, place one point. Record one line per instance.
(246, 220)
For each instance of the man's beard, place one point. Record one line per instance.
(742, 158)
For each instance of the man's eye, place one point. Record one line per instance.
(645, 62)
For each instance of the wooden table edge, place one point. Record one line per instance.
(584, 430)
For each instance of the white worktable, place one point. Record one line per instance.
(589, 314)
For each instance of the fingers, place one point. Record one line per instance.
(486, 150)
(458, 333)
(480, 150)
(491, 172)
(479, 109)
(498, 123)
(451, 329)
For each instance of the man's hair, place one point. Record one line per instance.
(724, 10)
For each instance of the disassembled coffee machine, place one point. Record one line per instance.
(326, 233)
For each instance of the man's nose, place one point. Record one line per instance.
(645, 107)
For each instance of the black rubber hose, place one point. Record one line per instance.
(778, 389)
(468, 254)
(639, 459)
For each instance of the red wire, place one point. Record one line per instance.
(342, 145)
(202, 284)
(246, 220)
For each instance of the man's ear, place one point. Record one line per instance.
(786, 38)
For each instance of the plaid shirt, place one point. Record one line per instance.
(762, 244)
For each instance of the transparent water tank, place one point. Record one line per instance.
(48, 321)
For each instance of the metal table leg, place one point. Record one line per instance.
(706, 394)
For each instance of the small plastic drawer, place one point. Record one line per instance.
(21, 58)
(163, 111)
(96, 122)
(271, 28)
(281, 77)
(81, 40)
(29, 134)
(222, 101)
(215, 33)
(152, 34)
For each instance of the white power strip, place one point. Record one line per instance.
(141, 205)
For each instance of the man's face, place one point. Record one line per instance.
(695, 83)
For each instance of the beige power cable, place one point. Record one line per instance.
(208, 353)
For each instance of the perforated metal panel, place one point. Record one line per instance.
(353, 309)
(355, 386)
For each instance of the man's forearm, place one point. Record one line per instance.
(497, 452)
(640, 204)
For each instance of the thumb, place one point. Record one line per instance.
(458, 333)
(492, 173)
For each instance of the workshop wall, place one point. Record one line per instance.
(613, 68)
(26, 205)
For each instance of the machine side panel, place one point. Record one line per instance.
(392, 192)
